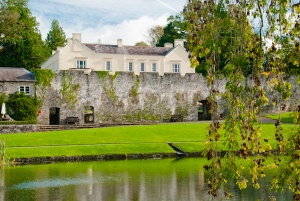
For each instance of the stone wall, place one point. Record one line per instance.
(125, 97)
(5, 129)
(130, 98)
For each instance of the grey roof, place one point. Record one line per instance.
(131, 50)
(11, 74)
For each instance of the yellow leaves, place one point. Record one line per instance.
(242, 183)
(207, 51)
(266, 74)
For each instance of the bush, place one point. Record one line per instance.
(22, 107)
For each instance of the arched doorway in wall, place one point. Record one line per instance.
(203, 110)
(88, 114)
(54, 116)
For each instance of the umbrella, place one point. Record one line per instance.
(3, 110)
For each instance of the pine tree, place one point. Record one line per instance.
(56, 37)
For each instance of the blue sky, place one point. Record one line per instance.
(106, 20)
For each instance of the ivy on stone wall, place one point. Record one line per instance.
(135, 87)
(69, 90)
(107, 82)
(43, 78)
(182, 105)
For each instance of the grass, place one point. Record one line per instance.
(190, 137)
(285, 117)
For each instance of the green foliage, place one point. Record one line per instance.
(107, 82)
(134, 89)
(3, 98)
(10, 24)
(175, 29)
(220, 36)
(22, 107)
(69, 90)
(43, 77)
(56, 37)
(2, 152)
(18, 122)
(28, 50)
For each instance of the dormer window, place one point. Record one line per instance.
(81, 64)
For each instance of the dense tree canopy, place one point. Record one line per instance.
(56, 37)
(28, 50)
(175, 29)
(10, 25)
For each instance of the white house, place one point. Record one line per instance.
(112, 58)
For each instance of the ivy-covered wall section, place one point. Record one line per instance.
(125, 97)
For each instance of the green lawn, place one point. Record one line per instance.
(285, 117)
(115, 140)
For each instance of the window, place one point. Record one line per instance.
(1, 88)
(154, 67)
(108, 65)
(176, 68)
(81, 64)
(130, 66)
(24, 89)
(142, 67)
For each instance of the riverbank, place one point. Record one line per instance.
(112, 143)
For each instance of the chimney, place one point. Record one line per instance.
(169, 45)
(178, 42)
(119, 43)
(77, 36)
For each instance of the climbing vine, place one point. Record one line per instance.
(69, 90)
(43, 81)
(107, 82)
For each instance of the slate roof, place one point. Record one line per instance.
(11, 74)
(129, 50)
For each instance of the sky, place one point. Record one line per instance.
(105, 20)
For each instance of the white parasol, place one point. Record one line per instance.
(3, 109)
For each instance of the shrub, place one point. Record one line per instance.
(22, 107)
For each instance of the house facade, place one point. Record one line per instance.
(112, 58)
(16, 80)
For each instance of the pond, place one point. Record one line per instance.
(160, 179)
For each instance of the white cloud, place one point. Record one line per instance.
(130, 31)
(107, 20)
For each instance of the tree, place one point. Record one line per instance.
(56, 37)
(28, 51)
(222, 28)
(141, 44)
(175, 29)
(10, 25)
(154, 34)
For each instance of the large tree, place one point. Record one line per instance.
(154, 34)
(56, 37)
(175, 29)
(221, 28)
(10, 25)
(28, 50)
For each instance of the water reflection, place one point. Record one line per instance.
(115, 180)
